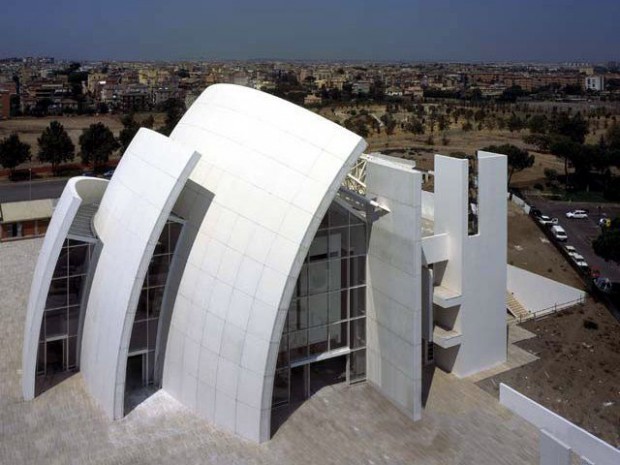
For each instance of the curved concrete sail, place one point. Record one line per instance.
(78, 191)
(273, 169)
(129, 221)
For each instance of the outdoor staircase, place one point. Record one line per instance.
(515, 308)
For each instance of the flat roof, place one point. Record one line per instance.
(12, 212)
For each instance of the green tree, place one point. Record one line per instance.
(149, 122)
(612, 138)
(130, 128)
(567, 149)
(575, 128)
(97, 144)
(538, 124)
(55, 146)
(518, 159)
(607, 245)
(514, 123)
(13, 152)
(174, 109)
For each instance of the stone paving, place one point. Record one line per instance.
(339, 425)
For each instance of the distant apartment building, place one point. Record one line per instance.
(595, 83)
(311, 100)
(361, 87)
(25, 219)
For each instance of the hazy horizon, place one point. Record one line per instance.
(479, 31)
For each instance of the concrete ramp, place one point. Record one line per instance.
(539, 295)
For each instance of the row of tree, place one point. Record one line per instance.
(55, 146)
(97, 142)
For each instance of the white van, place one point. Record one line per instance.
(559, 233)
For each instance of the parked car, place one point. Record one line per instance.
(547, 220)
(580, 261)
(559, 233)
(535, 212)
(90, 174)
(607, 286)
(570, 250)
(583, 265)
(108, 174)
(577, 214)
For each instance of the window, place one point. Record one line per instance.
(328, 310)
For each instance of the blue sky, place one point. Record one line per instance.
(442, 30)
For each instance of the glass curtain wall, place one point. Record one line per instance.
(144, 333)
(57, 352)
(327, 315)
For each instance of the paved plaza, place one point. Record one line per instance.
(340, 425)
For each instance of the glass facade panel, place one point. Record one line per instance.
(319, 308)
(57, 295)
(317, 277)
(298, 345)
(330, 291)
(298, 314)
(57, 351)
(358, 333)
(280, 387)
(317, 340)
(358, 302)
(357, 365)
(338, 336)
(146, 321)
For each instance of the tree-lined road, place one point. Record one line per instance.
(40, 189)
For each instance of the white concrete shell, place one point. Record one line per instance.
(129, 221)
(78, 191)
(270, 170)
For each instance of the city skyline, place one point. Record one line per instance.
(481, 31)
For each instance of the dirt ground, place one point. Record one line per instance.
(577, 373)
(528, 248)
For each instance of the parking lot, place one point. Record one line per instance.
(581, 232)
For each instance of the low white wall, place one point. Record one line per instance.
(579, 440)
(518, 201)
(428, 205)
(537, 293)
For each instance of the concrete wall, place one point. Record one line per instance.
(394, 337)
(476, 265)
(428, 205)
(483, 311)
(580, 441)
(129, 221)
(78, 191)
(537, 293)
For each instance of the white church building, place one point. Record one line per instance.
(257, 255)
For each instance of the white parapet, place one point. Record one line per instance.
(591, 448)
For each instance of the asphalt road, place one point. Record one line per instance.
(582, 232)
(40, 189)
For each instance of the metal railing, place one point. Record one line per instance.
(550, 310)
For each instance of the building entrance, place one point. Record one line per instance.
(308, 379)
